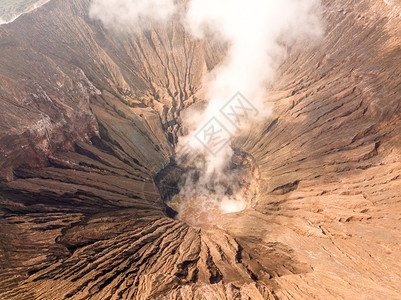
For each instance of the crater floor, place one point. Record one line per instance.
(199, 200)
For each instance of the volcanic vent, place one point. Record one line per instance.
(200, 203)
(89, 129)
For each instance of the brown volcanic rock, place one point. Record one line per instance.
(56, 59)
(89, 118)
(330, 159)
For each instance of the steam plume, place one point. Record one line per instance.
(255, 32)
(123, 14)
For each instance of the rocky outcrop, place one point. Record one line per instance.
(90, 118)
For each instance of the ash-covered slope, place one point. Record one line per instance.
(90, 117)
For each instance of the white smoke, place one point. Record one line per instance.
(257, 33)
(122, 14)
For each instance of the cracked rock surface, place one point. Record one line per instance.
(90, 118)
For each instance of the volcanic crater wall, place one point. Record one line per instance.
(90, 117)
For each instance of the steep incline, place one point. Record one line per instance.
(330, 158)
(55, 60)
(89, 118)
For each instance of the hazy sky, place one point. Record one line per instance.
(12, 9)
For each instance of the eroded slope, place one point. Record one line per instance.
(90, 118)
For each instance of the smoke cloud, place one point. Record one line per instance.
(257, 33)
(123, 14)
